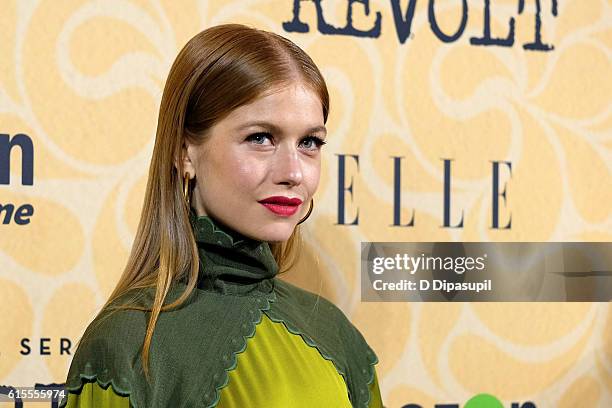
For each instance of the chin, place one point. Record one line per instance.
(277, 233)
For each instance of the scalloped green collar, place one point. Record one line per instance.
(231, 263)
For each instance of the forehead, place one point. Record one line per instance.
(289, 106)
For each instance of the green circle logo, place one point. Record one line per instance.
(483, 401)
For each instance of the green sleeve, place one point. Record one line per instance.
(94, 396)
(375, 398)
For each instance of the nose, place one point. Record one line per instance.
(287, 165)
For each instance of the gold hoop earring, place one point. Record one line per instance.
(186, 194)
(308, 213)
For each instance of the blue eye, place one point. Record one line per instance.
(317, 141)
(259, 138)
(310, 142)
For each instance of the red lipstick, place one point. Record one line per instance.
(281, 205)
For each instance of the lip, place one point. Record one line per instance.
(281, 205)
(282, 200)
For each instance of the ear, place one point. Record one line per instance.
(186, 154)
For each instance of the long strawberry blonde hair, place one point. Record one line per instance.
(218, 70)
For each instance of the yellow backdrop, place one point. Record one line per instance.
(83, 81)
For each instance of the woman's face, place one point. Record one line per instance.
(268, 148)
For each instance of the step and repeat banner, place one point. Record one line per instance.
(456, 120)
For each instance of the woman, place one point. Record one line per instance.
(199, 317)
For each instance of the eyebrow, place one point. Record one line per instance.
(277, 129)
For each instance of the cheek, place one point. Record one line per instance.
(244, 172)
(312, 176)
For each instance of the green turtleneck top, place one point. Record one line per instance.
(243, 339)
